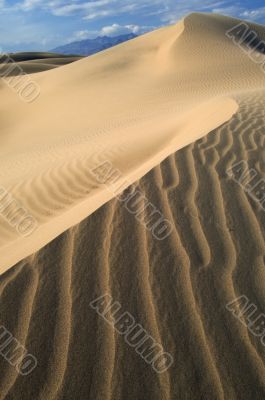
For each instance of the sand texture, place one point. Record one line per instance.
(186, 88)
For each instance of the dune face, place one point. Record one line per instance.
(174, 118)
(132, 105)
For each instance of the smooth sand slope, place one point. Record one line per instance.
(135, 105)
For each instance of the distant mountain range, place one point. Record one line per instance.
(92, 46)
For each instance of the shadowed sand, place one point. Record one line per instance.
(32, 62)
(178, 288)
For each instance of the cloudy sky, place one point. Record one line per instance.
(44, 24)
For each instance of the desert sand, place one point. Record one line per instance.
(172, 111)
(31, 63)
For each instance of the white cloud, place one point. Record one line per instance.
(71, 9)
(30, 4)
(116, 29)
(255, 15)
(80, 35)
(100, 14)
(91, 9)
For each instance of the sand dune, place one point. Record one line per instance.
(34, 62)
(135, 105)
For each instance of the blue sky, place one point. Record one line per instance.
(44, 24)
